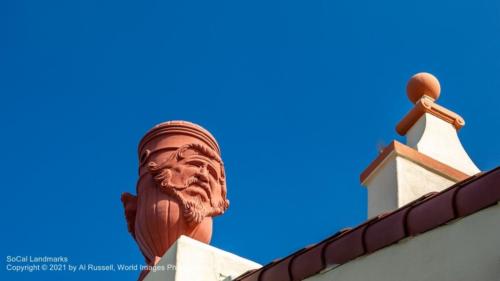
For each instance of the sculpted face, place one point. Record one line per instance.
(181, 186)
(194, 174)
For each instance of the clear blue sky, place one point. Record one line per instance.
(298, 94)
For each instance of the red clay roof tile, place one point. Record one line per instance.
(278, 272)
(478, 194)
(431, 213)
(345, 248)
(386, 231)
(308, 262)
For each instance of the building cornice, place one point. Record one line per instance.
(427, 105)
(418, 158)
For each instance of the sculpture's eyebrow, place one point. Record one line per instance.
(197, 159)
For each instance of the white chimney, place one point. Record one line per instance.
(432, 159)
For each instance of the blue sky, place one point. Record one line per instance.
(299, 94)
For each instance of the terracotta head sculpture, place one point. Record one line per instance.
(181, 186)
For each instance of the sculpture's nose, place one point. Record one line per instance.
(203, 174)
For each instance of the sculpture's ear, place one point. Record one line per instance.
(130, 205)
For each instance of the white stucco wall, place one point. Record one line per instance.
(398, 181)
(382, 187)
(191, 260)
(438, 139)
(415, 181)
(466, 249)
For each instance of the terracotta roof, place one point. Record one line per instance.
(426, 213)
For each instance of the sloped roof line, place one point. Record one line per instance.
(426, 213)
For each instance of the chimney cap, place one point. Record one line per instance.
(423, 84)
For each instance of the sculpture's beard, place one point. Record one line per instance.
(194, 210)
(193, 195)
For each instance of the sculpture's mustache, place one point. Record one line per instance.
(191, 186)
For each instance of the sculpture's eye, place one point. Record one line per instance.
(195, 163)
(198, 164)
(212, 171)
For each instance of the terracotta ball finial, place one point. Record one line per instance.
(421, 84)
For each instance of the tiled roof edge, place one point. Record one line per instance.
(426, 213)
